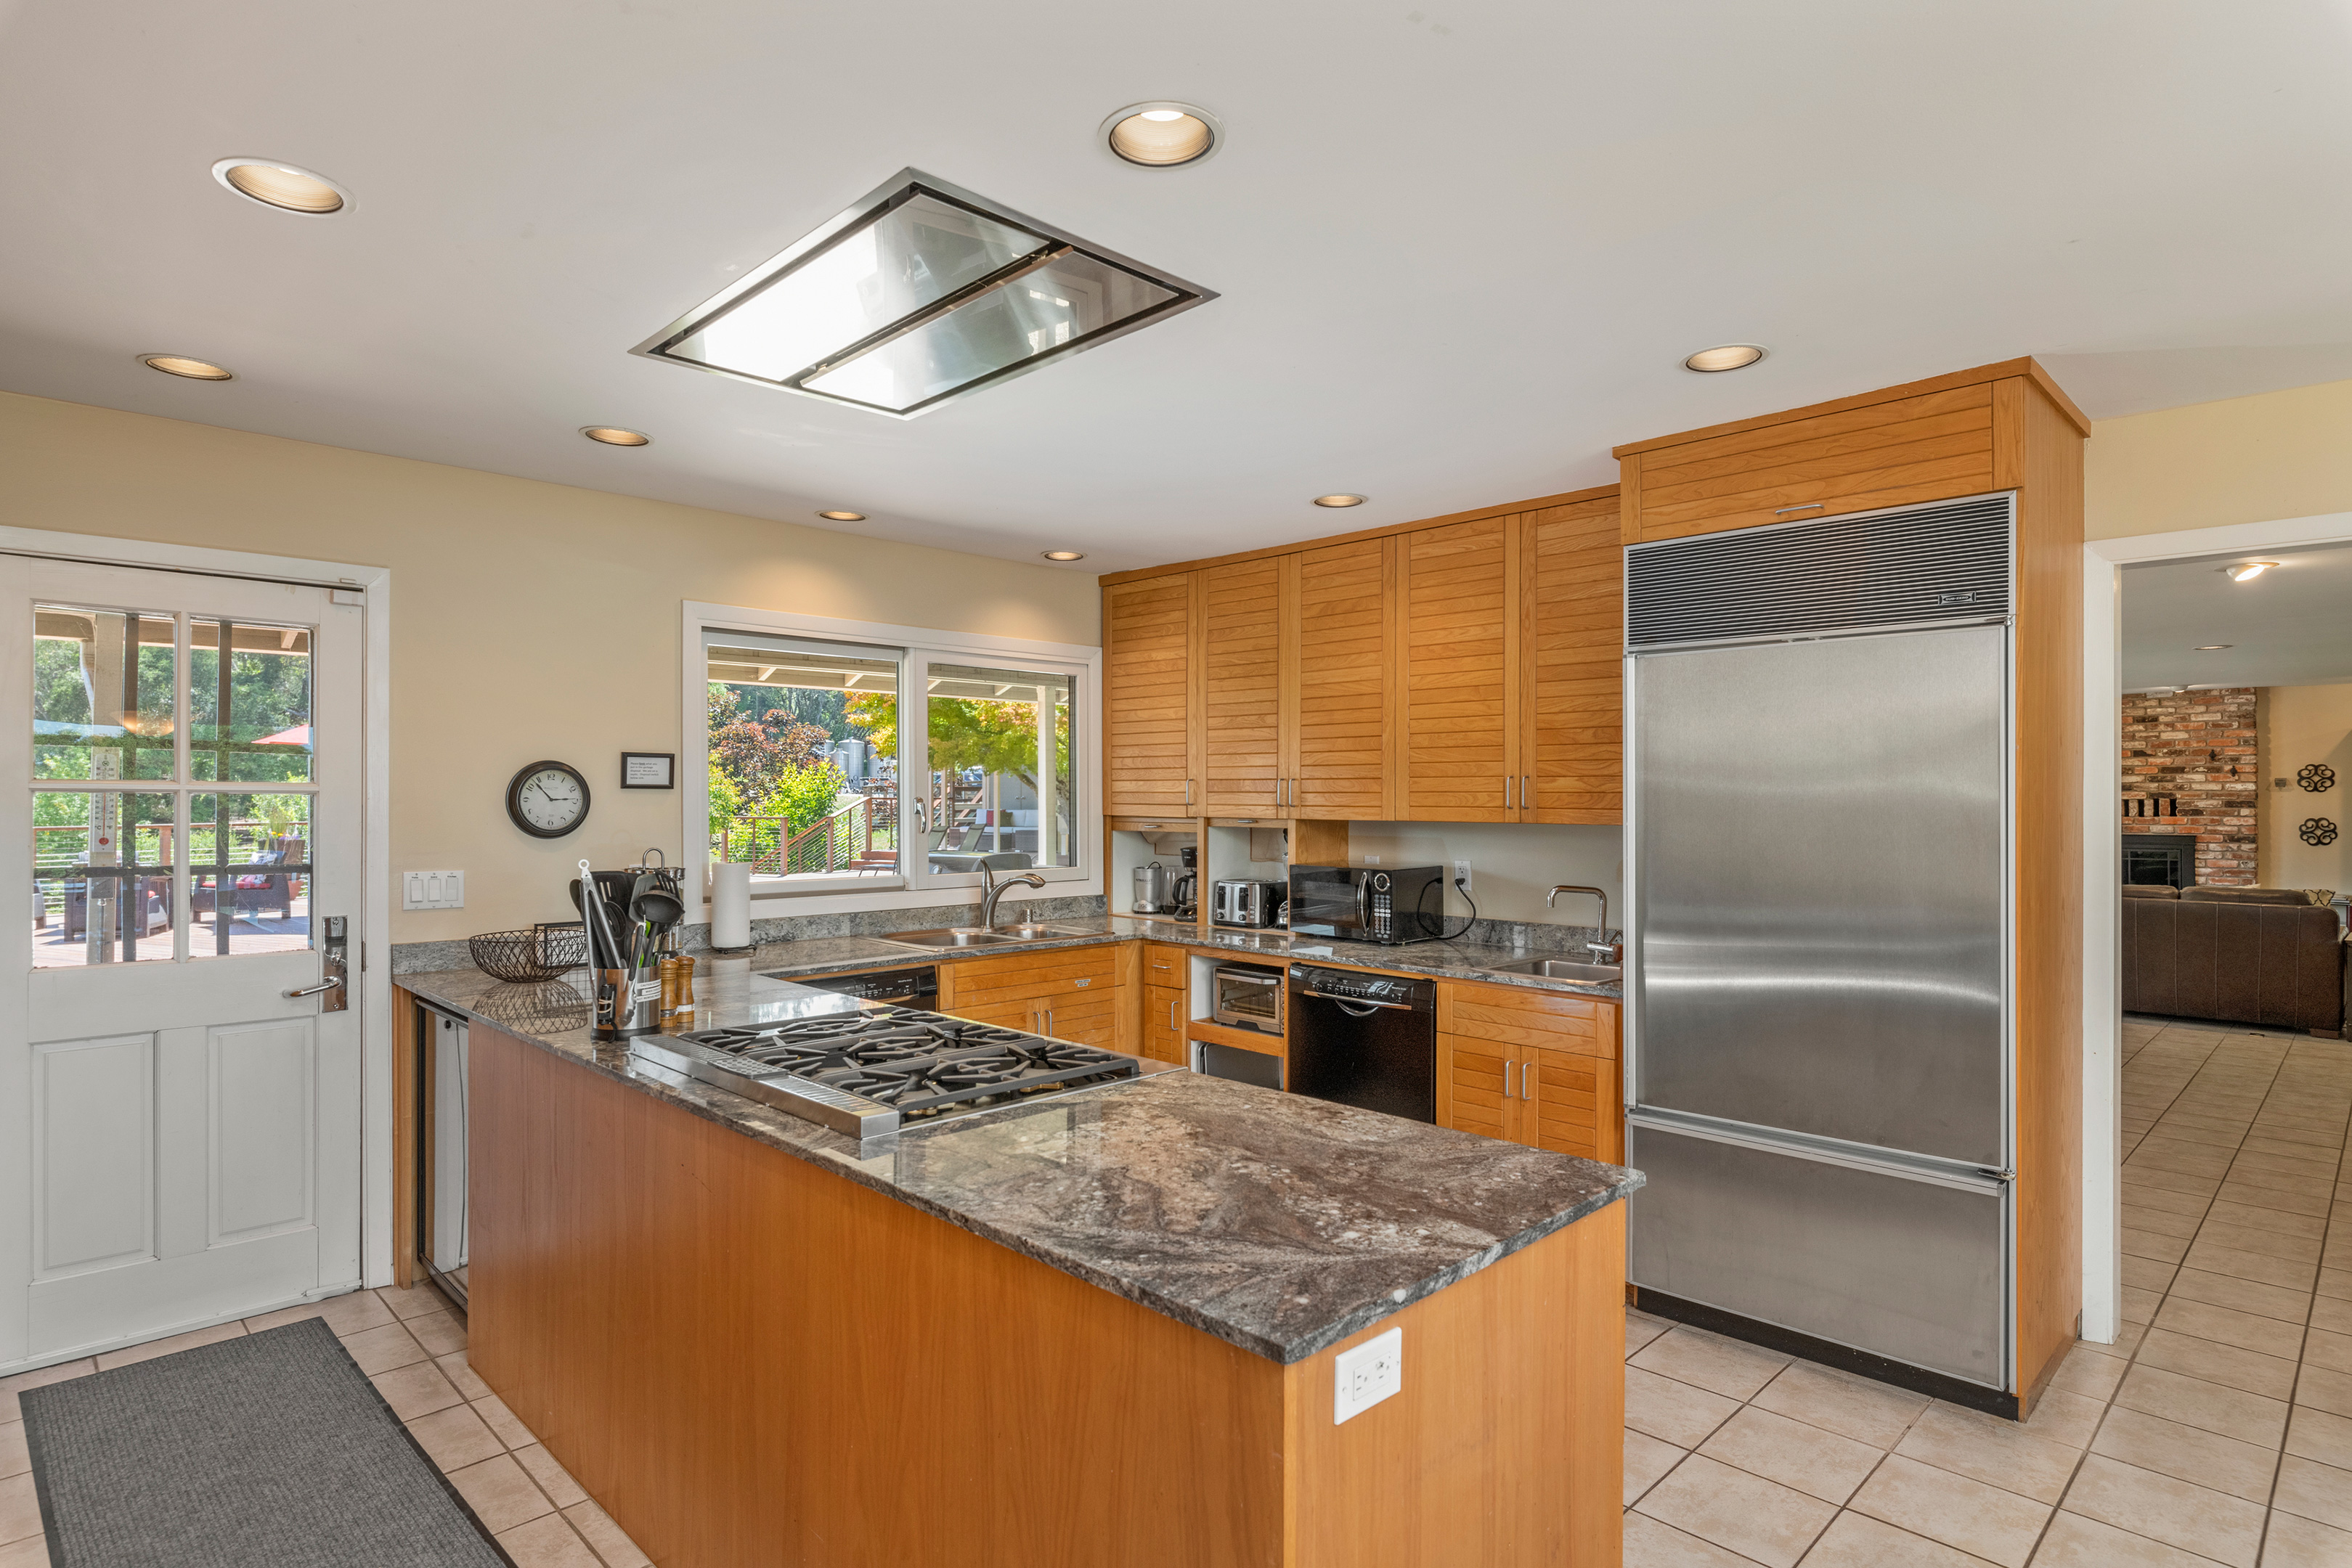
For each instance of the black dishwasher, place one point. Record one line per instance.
(1364, 1040)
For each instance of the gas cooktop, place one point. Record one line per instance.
(869, 1072)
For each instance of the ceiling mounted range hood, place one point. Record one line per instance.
(918, 294)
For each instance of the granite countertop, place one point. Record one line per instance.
(1439, 960)
(1278, 1223)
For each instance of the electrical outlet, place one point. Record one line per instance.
(1462, 875)
(1372, 860)
(1367, 1375)
(432, 890)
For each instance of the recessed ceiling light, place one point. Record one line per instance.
(843, 517)
(613, 436)
(1162, 135)
(282, 185)
(2247, 571)
(181, 365)
(2211, 647)
(1725, 356)
(918, 294)
(1065, 555)
(1339, 500)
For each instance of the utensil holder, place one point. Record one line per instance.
(628, 1002)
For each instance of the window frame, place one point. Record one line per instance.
(915, 886)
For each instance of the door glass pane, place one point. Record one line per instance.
(1000, 768)
(103, 686)
(803, 756)
(248, 873)
(253, 726)
(102, 887)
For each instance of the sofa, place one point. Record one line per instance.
(2272, 957)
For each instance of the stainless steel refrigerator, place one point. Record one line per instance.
(1818, 982)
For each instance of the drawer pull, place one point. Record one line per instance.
(1808, 506)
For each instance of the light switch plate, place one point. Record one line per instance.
(1367, 1375)
(432, 890)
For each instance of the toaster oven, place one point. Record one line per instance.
(1246, 998)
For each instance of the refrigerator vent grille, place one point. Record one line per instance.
(1940, 562)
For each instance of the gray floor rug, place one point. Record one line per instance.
(270, 1450)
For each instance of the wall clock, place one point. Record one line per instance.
(547, 800)
(2317, 831)
(2317, 777)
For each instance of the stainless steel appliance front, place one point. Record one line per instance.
(1819, 1032)
(1819, 883)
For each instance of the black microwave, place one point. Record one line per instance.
(1368, 903)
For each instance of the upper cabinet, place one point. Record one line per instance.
(1242, 731)
(1926, 441)
(1460, 670)
(1152, 699)
(1338, 634)
(1571, 664)
(1461, 677)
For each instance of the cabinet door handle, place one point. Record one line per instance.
(1188, 791)
(1171, 1015)
(1507, 791)
(1808, 506)
(1526, 1081)
(1527, 791)
(1507, 1081)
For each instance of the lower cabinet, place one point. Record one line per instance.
(1534, 1067)
(1070, 994)
(1163, 1023)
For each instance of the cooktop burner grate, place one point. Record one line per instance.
(918, 1063)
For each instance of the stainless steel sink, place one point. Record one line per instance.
(1560, 969)
(973, 935)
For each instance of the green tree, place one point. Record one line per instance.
(996, 737)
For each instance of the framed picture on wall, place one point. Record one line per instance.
(649, 770)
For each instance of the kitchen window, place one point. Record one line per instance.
(856, 765)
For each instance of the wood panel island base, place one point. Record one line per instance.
(1094, 1331)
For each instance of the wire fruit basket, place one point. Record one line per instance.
(541, 952)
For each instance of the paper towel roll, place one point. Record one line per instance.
(731, 904)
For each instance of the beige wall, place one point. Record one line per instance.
(1510, 865)
(489, 670)
(2303, 724)
(2246, 460)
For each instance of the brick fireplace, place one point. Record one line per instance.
(2199, 751)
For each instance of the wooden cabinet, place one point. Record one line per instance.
(1164, 965)
(1163, 1023)
(1151, 700)
(1071, 993)
(1465, 670)
(1459, 671)
(1571, 664)
(1339, 640)
(1243, 608)
(1534, 1067)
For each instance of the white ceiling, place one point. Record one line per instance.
(2286, 628)
(1461, 249)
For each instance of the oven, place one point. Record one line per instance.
(1246, 998)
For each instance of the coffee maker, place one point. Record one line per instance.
(1183, 888)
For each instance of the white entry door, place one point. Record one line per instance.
(179, 1126)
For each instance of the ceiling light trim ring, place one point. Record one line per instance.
(843, 517)
(1216, 128)
(1759, 349)
(1063, 557)
(871, 208)
(153, 355)
(220, 177)
(601, 434)
(1338, 498)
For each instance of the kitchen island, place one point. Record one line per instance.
(1095, 1329)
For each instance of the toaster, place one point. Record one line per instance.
(1240, 903)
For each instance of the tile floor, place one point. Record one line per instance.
(2217, 1430)
(412, 1348)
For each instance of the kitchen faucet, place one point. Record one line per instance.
(991, 890)
(1609, 952)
